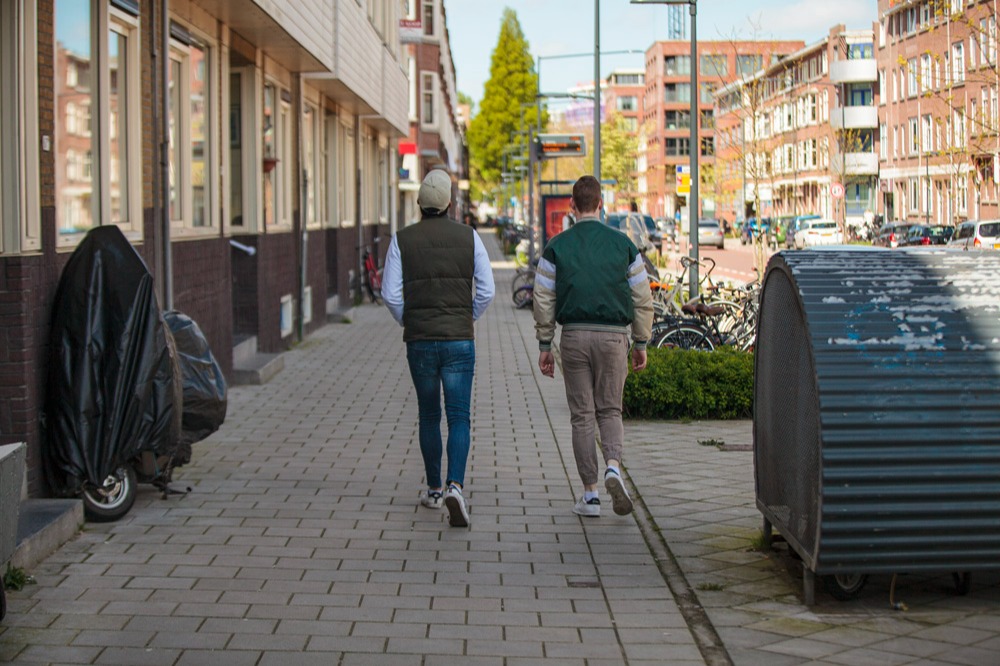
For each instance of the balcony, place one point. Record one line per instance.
(857, 164)
(853, 117)
(854, 71)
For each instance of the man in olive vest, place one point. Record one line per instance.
(427, 284)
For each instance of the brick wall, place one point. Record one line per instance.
(203, 291)
(276, 277)
(316, 278)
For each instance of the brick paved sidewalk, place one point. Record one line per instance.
(302, 540)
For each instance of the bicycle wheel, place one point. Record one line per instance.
(686, 336)
(374, 287)
(523, 277)
(523, 297)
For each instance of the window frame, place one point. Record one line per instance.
(20, 225)
(433, 90)
(106, 18)
(180, 51)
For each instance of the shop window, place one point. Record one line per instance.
(97, 133)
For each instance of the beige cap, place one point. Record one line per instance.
(435, 190)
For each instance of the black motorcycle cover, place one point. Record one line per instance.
(112, 389)
(202, 381)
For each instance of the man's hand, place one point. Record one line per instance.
(638, 359)
(547, 363)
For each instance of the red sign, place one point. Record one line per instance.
(407, 148)
(836, 190)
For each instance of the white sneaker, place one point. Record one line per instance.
(620, 501)
(458, 508)
(585, 507)
(432, 499)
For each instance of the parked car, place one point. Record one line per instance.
(921, 234)
(977, 234)
(667, 227)
(753, 228)
(633, 226)
(818, 232)
(793, 227)
(710, 233)
(892, 234)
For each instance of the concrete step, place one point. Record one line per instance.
(259, 369)
(43, 526)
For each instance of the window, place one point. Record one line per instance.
(962, 194)
(958, 125)
(628, 103)
(925, 72)
(911, 70)
(859, 94)
(883, 149)
(810, 111)
(748, 64)
(97, 133)
(914, 137)
(676, 92)
(676, 65)
(428, 99)
(191, 130)
(957, 63)
(277, 144)
(677, 120)
(707, 92)
(707, 146)
(714, 64)
(675, 147)
(19, 172)
(310, 163)
(427, 17)
(914, 198)
(927, 138)
(707, 119)
(860, 51)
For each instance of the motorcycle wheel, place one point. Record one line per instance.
(113, 499)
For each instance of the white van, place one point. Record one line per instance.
(977, 235)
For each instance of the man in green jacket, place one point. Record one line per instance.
(591, 279)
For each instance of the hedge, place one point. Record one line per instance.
(684, 384)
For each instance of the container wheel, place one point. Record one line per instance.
(845, 587)
(963, 582)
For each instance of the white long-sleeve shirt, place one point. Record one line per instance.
(392, 280)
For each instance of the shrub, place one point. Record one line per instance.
(685, 384)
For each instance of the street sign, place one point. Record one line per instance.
(562, 145)
(836, 190)
(683, 180)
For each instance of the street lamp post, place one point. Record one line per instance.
(694, 145)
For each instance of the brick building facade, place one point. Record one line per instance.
(278, 125)
(938, 112)
(800, 136)
(666, 109)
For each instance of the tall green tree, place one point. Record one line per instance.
(513, 82)
(619, 152)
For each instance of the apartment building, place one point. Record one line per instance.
(800, 136)
(436, 134)
(246, 150)
(666, 110)
(938, 82)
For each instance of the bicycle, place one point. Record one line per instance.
(717, 323)
(371, 278)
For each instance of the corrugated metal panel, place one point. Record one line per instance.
(897, 364)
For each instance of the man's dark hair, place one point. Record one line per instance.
(586, 193)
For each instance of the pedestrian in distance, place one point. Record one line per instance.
(592, 281)
(436, 283)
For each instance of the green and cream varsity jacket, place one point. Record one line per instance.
(592, 277)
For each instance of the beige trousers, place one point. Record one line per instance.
(594, 366)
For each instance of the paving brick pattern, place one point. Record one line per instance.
(302, 541)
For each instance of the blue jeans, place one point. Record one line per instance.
(449, 364)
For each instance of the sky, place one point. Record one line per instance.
(555, 27)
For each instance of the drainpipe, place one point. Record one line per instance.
(357, 204)
(303, 212)
(168, 270)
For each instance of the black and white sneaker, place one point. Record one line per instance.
(620, 501)
(432, 499)
(458, 508)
